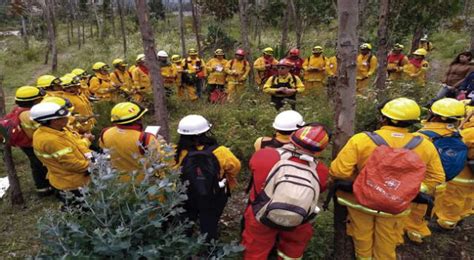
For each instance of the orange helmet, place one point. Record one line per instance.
(240, 52)
(295, 52)
(311, 139)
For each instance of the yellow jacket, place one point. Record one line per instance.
(237, 70)
(51, 93)
(82, 110)
(215, 70)
(85, 87)
(271, 85)
(331, 66)
(123, 143)
(169, 74)
(279, 137)
(417, 74)
(29, 126)
(179, 71)
(60, 153)
(101, 86)
(197, 65)
(315, 68)
(366, 68)
(122, 79)
(141, 80)
(466, 177)
(259, 66)
(353, 156)
(229, 164)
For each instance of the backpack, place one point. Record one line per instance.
(201, 168)
(12, 125)
(391, 177)
(187, 78)
(290, 194)
(217, 96)
(452, 152)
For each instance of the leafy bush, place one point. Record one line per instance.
(217, 38)
(127, 220)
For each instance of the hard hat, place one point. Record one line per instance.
(78, 71)
(284, 63)
(140, 57)
(398, 46)
(119, 62)
(421, 52)
(99, 65)
(193, 125)
(46, 81)
(312, 139)
(424, 38)
(126, 112)
(63, 102)
(162, 54)
(29, 93)
(295, 52)
(317, 49)
(219, 52)
(47, 111)
(401, 109)
(192, 51)
(69, 80)
(448, 107)
(175, 58)
(366, 46)
(268, 51)
(240, 52)
(289, 120)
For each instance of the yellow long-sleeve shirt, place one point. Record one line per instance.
(169, 74)
(101, 86)
(237, 70)
(260, 66)
(29, 126)
(415, 73)
(315, 68)
(366, 68)
(271, 86)
(82, 110)
(331, 66)
(122, 79)
(215, 70)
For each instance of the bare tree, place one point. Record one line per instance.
(99, 24)
(181, 28)
(415, 42)
(196, 25)
(344, 100)
(112, 18)
(382, 50)
(122, 27)
(285, 27)
(24, 32)
(49, 11)
(298, 21)
(161, 111)
(244, 33)
(15, 188)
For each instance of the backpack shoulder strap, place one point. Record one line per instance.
(294, 80)
(432, 135)
(376, 138)
(117, 76)
(143, 140)
(413, 143)
(231, 64)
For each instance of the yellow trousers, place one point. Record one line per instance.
(374, 237)
(234, 90)
(361, 86)
(187, 92)
(313, 87)
(455, 204)
(416, 226)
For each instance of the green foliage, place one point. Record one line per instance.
(272, 13)
(157, 9)
(316, 12)
(219, 9)
(127, 219)
(217, 38)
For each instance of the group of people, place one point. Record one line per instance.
(53, 120)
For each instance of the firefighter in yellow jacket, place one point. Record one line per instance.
(168, 72)
(376, 234)
(395, 62)
(315, 71)
(265, 67)
(456, 203)
(126, 140)
(122, 78)
(100, 84)
(215, 70)
(443, 119)
(51, 84)
(415, 69)
(67, 165)
(193, 73)
(178, 64)
(141, 78)
(366, 67)
(237, 71)
(84, 76)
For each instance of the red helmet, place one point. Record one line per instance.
(311, 139)
(240, 52)
(285, 62)
(295, 52)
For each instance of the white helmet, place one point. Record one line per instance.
(163, 54)
(193, 125)
(289, 120)
(48, 111)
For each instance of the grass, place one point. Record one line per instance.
(236, 125)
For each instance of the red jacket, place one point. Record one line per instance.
(263, 161)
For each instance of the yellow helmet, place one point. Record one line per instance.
(398, 46)
(401, 109)
(63, 102)
(219, 52)
(268, 51)
(449, 108)
(119, 62)
(126, 112)
(317, 49)
(192, 51)
(140, 57)
(175, 58)
(421, 52)
(70, 80)
(29, 93)
(46, 81)
(78, 71)
(366, 46)
(99, 65)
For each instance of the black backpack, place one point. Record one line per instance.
(202, 170)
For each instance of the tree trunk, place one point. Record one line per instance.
(68, 32)
(15, 188)
(49, 8)
(181, 28)
(100, 29)
(362, 18)
(196, 25)
(122, 27)
(348, 16)
(112, 18)
(285, 26)
(244, 34)
(296, 15)
(415, 42)
(83, 31)
(24, 32)
(161, 111)
(382, 50)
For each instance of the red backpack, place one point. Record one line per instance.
(391, 177)
(12, 125)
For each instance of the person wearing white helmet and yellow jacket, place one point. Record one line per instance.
(265, 66)
(121, 77)
(315, 71)
(168, 72)
(416, 68)
(100, 84)
(366, 67)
